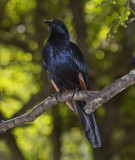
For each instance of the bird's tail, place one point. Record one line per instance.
(89, 125)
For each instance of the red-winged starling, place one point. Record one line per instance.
(65, 67)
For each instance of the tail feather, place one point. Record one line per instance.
(89, 125)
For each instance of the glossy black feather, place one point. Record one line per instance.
(64, 60)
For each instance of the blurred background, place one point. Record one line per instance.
(57, 134)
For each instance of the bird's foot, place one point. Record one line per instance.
(69, 103)
(58, 95)
(74, 91)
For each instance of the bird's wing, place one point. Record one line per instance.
(82, 83)
(45, 65)
(88, 121)
(79, 61)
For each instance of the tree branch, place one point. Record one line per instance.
(93, 99)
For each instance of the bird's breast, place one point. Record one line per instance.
(62, 68)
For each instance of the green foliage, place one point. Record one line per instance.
(105, 2)
(113, 29)
(124, 12)
(4, 151)
(35, 137)
(17, 82)
(82, 149)
(123, 19)
(129, 112)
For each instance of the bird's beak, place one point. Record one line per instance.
(49, 22)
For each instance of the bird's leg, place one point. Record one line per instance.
(70, 103)
(58, 95)
(62, 91)
(74, 91)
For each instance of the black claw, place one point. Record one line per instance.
(61, 91)
(74, 91)
(57, 95)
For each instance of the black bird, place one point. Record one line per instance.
(65, 67)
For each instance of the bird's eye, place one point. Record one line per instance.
(59, 23)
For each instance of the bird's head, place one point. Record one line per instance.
(56, 26)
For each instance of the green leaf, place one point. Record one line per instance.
(123, 24)
(113, 29)
(125, 14)
(124, 17)
(106, 1)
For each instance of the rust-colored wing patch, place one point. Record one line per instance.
(81, 81)
(70, 104)
(53, 83)
(55, 86)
